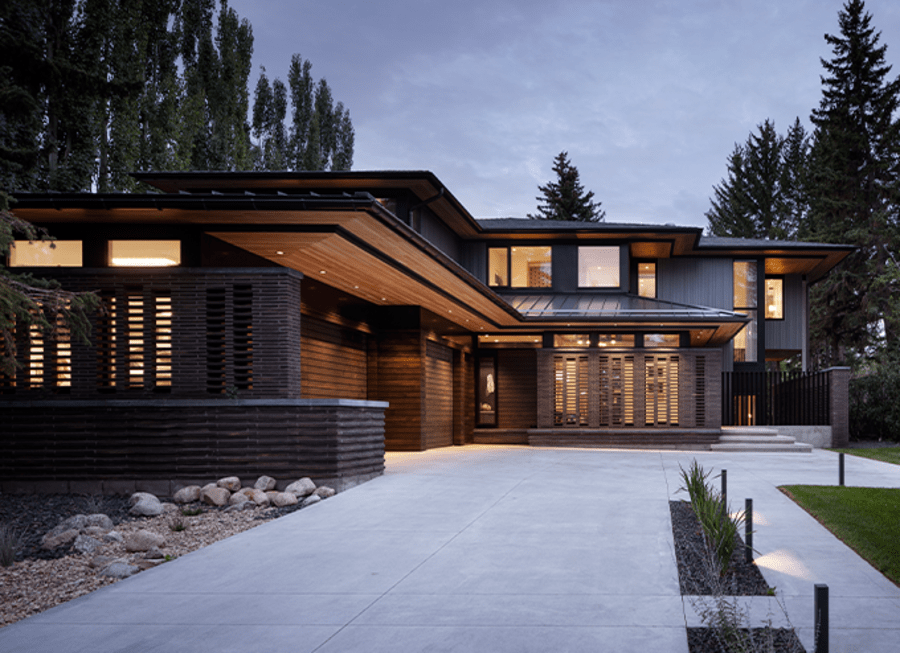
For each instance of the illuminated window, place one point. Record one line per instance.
(531, 267)
(571, 340)
(598, 267)
(647, 279)
(745, 302)
(615, 340)
(774, 299)
(510, 341)
(144, 253)
(652, 340)
(56, 253)
(498, 266)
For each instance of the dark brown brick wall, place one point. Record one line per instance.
(169, 440)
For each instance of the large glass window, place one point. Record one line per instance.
(531, 267)
(647, 279)
(652, 340)
(55, 253)
(615, 340)
(745, 302)
(598, 267)
(774, 299)
(571, 340)
(498, 266)
(144, 253)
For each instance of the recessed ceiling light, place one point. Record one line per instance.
(280, 253)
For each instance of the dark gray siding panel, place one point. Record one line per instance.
(699, 282)
(474, 259)
(439, 235)
(788, 333)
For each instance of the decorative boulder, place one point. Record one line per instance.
(239, 498)
(265, 483)
(230, 483)
(215, 496)
(187, 494)
(311, 499)
(282, 499)
(324, 492)
(113, 536)
(302, 488)
(119, 570)
(273, 493)
(99, 520)
(86, 544)
(144, 540)
(258, 497)
(145, 504)
(56, 538)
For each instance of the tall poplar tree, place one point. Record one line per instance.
(854, 193)
(565, 199)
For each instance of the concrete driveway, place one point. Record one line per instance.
(483, 549)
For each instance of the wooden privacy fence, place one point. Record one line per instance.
(776, 398)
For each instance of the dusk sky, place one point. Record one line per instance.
(647, 97)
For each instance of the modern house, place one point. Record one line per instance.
(287, 322)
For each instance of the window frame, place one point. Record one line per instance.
(618, 267)
(783, 306)
(510, 285)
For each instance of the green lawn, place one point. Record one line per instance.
(866, 519)
(884, 454)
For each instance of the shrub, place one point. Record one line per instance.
(10, 542)
(874, 405)
(720, 527)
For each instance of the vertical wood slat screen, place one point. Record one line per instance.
(571, 390)
(661, 375)
(700, 391)
(134, 336)
(215, 340)
(616, 388)
(243, 337)
(162, 323)
(106, 342)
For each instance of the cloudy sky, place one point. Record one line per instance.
(648, 97)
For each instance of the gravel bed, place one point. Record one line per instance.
(742, 579)
(41, 579)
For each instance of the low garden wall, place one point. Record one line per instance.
(156, 445)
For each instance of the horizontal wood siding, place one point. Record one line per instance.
(333, 361)
(161, 441)
(516, 388)
(438, 396)
(401, 384)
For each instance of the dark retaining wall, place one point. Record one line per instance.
(121, 446)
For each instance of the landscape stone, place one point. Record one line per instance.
(258, 497)
(265, 483)
(101, 561)
(143, 540)
(119, 570)
(76, 522)
(282, 499)
(153, 553)
(272, 494)
(187, 494)
(311, 499)
(215, 496)
(95, 531)
(239, 498)
(145, 504)
(169, 508)
(303, 487)
(230, 483)
(98, 520)
(114, 536)
(243, 505)
(54, 539)
(325, 492)
(86, 544)
(207, 486)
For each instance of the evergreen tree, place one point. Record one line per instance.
(760, 196)
(269, 110)
(565, 198)
(853, 193)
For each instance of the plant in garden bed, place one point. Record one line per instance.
(10, 543)
(720, 525)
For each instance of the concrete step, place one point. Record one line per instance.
(758, 439)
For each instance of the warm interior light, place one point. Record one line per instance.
(144, 253)
(280, 253)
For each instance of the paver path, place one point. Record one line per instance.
(478, 549)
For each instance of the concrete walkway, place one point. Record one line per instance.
(483, 549)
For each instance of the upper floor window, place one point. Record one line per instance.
(774, 298)
(598, 267)
(647, 280)
(49, 253)
(144, 253)
(520, 267)
(745, 288)
(571, 340)
(652, 340)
